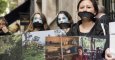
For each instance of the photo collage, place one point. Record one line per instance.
(57, 30)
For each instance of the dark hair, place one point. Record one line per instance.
(66, 14)
(43, 19)
(3, 19)
(94, 5)
(80, 47)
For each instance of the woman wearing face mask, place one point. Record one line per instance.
(88, 25)
(64, 21)
(38, 23)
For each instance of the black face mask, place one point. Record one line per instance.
(64, 25)
(38, 25)
(86, 15)
(0, 30)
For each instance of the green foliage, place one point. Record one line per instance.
(11, 47)
(13, 4)
(100, 42)
(32, 51)
(3, 6)
(96, 42)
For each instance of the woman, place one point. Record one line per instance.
(88, 25)
(3, 27)
(64, 21)
(38, 23)
(80, 55)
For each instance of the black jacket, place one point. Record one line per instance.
(96, 31)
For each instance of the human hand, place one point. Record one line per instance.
(18, 22)
(108, 55)
(5, 29)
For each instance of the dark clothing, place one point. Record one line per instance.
(19, 12)
(77, 57)
(96, 31)
(2, 33)
(104, 19)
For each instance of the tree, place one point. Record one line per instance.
(3, 6)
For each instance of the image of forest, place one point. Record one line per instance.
(10, 47)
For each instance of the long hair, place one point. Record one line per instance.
(66, 14)
(30, 26)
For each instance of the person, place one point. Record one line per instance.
(80, 55)
(64, 21)
(14, 28)
(102, 16)
(38, 23)
(3, 27)
(88, 25)
(104, 19)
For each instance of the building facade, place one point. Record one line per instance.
(50, 8)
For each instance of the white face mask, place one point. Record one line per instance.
(62, 19)
(37, 18)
